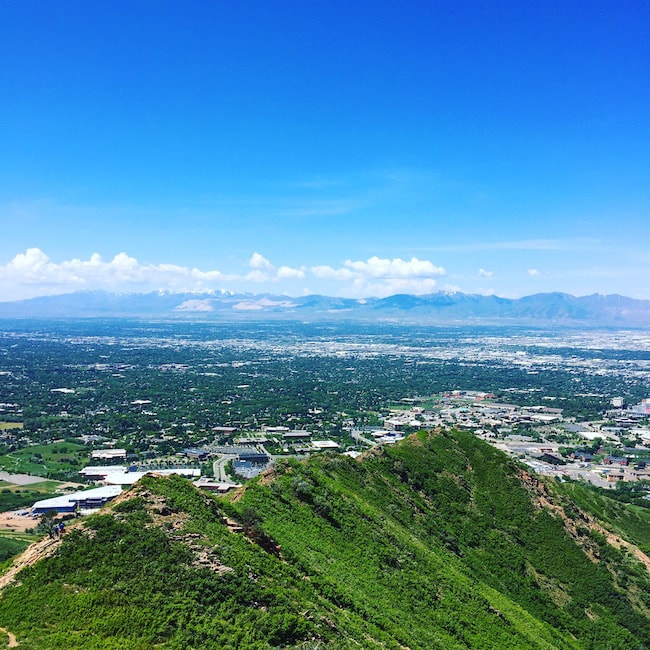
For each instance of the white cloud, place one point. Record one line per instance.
(363, 288)
(329, 272)
(482, 273)
(258, 261)
(534, 272)
(286, 273)
(32, 260)
(270, 273)
(383, 277)
(396, 268)
(32, 274)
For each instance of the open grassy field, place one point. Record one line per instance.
(10, 425)
(15, 497)
(59, 460)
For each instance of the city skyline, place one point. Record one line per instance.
(344, 149)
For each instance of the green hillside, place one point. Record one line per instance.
(632, 522)
(438, 542)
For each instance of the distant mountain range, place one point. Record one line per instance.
(443, 307)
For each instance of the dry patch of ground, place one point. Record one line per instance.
(11, 425)
(11, 639)
(20, 479)
(18, 523)
(35, 552)
(543, 500)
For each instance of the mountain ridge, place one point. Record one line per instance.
(440, 541)
(443, 307)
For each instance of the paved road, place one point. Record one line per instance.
(356, 434)
(21, 479)
(219, 467)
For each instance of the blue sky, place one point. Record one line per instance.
(343, 148)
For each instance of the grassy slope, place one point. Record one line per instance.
(11, 544)
(462, 500)
(433, 543)
(630, 521)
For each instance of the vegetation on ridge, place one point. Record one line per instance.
(438, 542)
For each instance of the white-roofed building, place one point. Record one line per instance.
(324, 444)
(58, 504)
(99, 472)
(109, 454)
(85, 500)
(96, 498)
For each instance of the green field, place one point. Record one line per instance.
(61, 460)
(14, 497)
(12, 545)
(10, 425)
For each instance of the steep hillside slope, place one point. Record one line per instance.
(439, 542)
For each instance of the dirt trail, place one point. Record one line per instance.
(32, 554)
(618, 542)
(12, 642)
(543, 498)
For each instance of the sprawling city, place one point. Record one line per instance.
(101, 403)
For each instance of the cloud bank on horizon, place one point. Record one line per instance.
(33, 273)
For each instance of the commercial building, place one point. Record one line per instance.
(108, 454)
(85, 500)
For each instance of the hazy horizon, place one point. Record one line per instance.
(228, 293)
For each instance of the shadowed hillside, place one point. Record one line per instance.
(439, 542)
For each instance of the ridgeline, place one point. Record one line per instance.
(438, 542)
